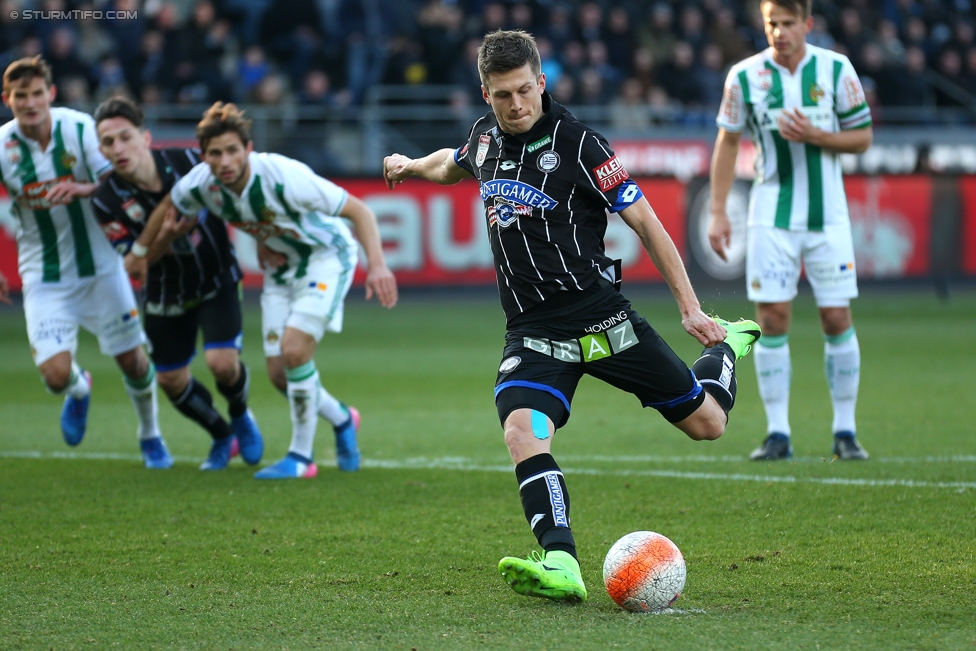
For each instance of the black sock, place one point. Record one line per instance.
(715, 369)
(237, 394)
(196, 403)
(545, 502)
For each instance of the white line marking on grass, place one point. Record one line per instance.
(737, 459)
(463, 463)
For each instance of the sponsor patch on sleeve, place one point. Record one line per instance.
(610, 174)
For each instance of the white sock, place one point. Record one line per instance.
(78, 386)
(842, 365)
(303, 392)
(773, 371)
(142, 393)
(331, 409)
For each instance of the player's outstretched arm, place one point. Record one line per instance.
(658, 244)
(438, 167)
(4, 290)
(379, 278)
(721, 176)
(136, 263)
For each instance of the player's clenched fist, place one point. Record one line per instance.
(395, 169)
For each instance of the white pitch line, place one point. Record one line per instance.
(454, 463)
(464, 464)
(738, 459)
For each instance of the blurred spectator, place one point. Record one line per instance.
(465, 73)
(270, 91)
(551, 67)
(592, 89)
(290, 36)
(908, 86)
(677, 76)
(440, 32)
(917, 35)
(93, 42)
(74, 92)
(521, 17)
(62, 56)
(127, 36)
(247, 15)
(368, 26)
(251, 69)
(493, 17)
(710, 77)
(620, 38)
(692, 28)
(853, 36)
(598, 59)
(573, 58)
(947, 93)
(404, 63)
(589, 21)
(627, 110)
(44, 29)
(110, 79)
(317, 91)
(728, 37)
(658, 34)
(153, 68)
(644, 67)
(819, 35)
(565, 92)
(892, 49)
(969, 72)
(558, 29)
(201, 45)
(12, 31)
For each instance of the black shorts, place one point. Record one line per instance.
(542, 365)
(173, 339)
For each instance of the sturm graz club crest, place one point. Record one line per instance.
(548, 161)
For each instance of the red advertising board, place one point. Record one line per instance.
(891, 223)
(967, 192)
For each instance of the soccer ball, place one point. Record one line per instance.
(644, 572)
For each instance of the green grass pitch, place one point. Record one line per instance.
(97, 553)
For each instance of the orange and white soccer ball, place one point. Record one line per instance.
(644, 572)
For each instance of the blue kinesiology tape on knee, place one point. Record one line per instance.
(540, 425)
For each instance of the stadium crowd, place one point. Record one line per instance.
(659, 53)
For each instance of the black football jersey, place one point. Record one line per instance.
(546, 194)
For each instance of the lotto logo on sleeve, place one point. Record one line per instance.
(610, 174)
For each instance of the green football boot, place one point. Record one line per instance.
(740, 336)
(554, 576)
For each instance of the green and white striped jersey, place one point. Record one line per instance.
(798, 186)
(284, 205)
(55, 243)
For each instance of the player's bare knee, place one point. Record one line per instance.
(56, 379)
(173, 383)
(133, 363)
(225, 368)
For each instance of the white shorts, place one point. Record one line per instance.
(103, 305)
(312, 303)
(773, 259)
